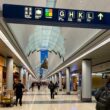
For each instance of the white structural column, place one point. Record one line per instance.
(50, 78)
(9, 75)
(60, 81)
(56, 78)
(30, 80)
(21, 74)
(53, 79)
(67, 80)
(86, 80)
(27, 80)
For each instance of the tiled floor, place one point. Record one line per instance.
(40, 100)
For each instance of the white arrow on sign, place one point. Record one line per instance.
(100, 16)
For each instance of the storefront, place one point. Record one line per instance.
(74, 77)
(2, 64)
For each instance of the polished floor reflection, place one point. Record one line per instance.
(40, 100)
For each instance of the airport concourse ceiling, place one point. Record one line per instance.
(62, 42)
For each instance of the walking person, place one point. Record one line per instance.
(19, 91)
(51, 86)
(56, 88)
(39, 86)
(32, 86)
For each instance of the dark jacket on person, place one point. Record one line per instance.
(103, 99)
(19, 89)
(56, 85)
(51, 86)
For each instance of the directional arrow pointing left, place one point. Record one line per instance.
(100, 15)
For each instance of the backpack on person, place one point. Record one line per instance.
(51, 86)
(98, 93)
(103, 99)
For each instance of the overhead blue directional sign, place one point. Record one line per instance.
(55, 17)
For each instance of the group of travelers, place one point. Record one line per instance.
(102, 95)
(19, 89)
(53, 88)
(33, 85)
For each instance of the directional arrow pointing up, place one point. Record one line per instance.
(100, 15)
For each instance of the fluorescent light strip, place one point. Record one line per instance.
(86, 53)
(6, 41)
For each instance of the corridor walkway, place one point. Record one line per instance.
(40, 100)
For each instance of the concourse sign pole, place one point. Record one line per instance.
(55, 17)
